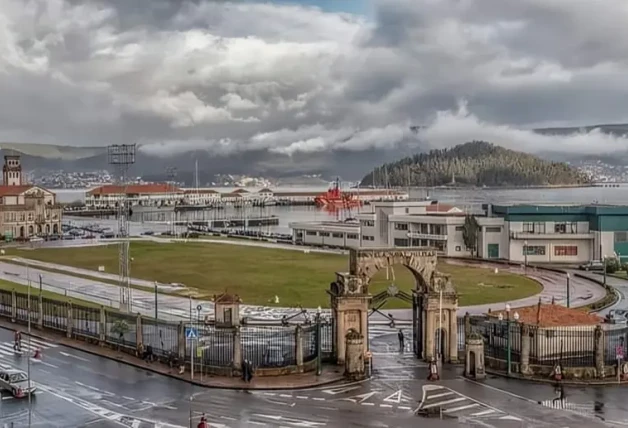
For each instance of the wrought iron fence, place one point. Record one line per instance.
(461, 333)
(615, 342)
(55, 314)
(120, 329)
(309, 341)
(571, 346)
(86, 321)
(327, 339)
(6, 303)
(269, 346)
(162, 336)
(215, 347)
(503, 337)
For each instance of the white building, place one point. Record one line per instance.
(536, 234)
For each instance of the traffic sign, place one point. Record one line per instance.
(199, 308)
(190, 333)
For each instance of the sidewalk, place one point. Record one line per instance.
(331, 374)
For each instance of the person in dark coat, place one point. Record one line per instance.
(401, 341)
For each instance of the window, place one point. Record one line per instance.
(534, 227)
(458, 248)
(494, 229)
(310, 233)
(534, 250)
(571, 227)
(401, 242)
(459, 228)
(367, 223)
(352, 236)
(566, 250)
(621, 236)
(401, 226)
(368, 238)
(323, 234)
(337, 235)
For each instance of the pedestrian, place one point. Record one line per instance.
(401, 341)
(561, 395)
(17, 345)
(245, 370)
(250, 371)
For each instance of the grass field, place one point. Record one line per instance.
(258, 274)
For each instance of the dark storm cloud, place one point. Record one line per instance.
(235, 76)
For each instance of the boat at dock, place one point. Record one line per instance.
(335, 198)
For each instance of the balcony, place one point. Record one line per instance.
(553, 235)
(416, 235)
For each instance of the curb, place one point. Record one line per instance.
(572, 382)
(177, 377)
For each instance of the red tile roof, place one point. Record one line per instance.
(200, 191)
(134, 189)
(552, 315)
(6, 190)
(439, 208)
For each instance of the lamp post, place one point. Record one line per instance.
(604, 260)
(319, 362)
(525, 255)
(568, 289)
(508, 342)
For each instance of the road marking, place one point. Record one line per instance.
(95, 389)
(367, 404)
(65, 354)
(271, 394)
(521, 397)
(301, 397)
(336, 391)
(318, 399)
(442, 394)
(360, 398)
(404, 408)
(457, 409)
(44, 344)
(441, 403)
(128, 398)
(285, 395)
(35, 360)
(385, 405)
(483, 412)
(257, 423)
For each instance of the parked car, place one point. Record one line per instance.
(594, 265)
(16, 382)
(617, 316)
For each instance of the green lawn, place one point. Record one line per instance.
(258, 274)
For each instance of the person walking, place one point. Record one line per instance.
(401, 338)
(17, 345)
(560, 389)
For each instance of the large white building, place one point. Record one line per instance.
(536, 234)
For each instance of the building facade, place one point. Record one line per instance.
(26, 211)
(520, 233)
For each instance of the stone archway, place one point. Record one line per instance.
(434, 298)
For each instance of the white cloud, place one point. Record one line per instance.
(228, 77)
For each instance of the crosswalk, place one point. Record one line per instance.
(441, 400)
(6, 348)
(583, 409)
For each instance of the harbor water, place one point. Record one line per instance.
(469, 199)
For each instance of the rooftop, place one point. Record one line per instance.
(134, 189)
(552, 315)
(6, 190)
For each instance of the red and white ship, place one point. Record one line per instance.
(336, 199)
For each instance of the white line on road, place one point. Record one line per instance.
(37, 361)
(484, 412)
(302, 397)
(404, 408)
(318, 399)
(457, 409)
(385, 405)
(442, 394)
(128, 398)
(65, 354)
(441, 403)
(367, 404)
(521, 397)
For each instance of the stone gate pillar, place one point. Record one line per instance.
(350, 306)
(474, 360)
(440, 310)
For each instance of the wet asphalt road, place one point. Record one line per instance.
(78, 390)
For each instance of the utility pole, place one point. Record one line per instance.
(121, 157)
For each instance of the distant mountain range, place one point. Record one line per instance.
(350, 165)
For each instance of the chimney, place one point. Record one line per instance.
(538, 313)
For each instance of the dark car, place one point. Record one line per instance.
(594, 265)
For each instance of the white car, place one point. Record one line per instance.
(16, 382)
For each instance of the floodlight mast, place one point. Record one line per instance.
(121, 157)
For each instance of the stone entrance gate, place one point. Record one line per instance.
(433, 295)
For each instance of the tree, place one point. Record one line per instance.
(470, 233)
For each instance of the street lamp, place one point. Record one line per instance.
(525, 255)
(568, 288)
(319, 362)
(508, 342)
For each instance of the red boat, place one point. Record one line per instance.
(335, 199)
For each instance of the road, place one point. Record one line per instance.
(78, 389)
(621, 285)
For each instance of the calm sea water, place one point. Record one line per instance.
(463, 198)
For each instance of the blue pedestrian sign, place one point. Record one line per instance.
(190, 333)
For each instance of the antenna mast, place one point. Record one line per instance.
(121, 157)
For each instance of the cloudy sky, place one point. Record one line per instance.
(313, 75)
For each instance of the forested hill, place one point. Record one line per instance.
(477, 163)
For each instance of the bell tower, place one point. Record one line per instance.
(12, 171)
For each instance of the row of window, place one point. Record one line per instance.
(559, 250)
(338, 235)
(540, 227)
